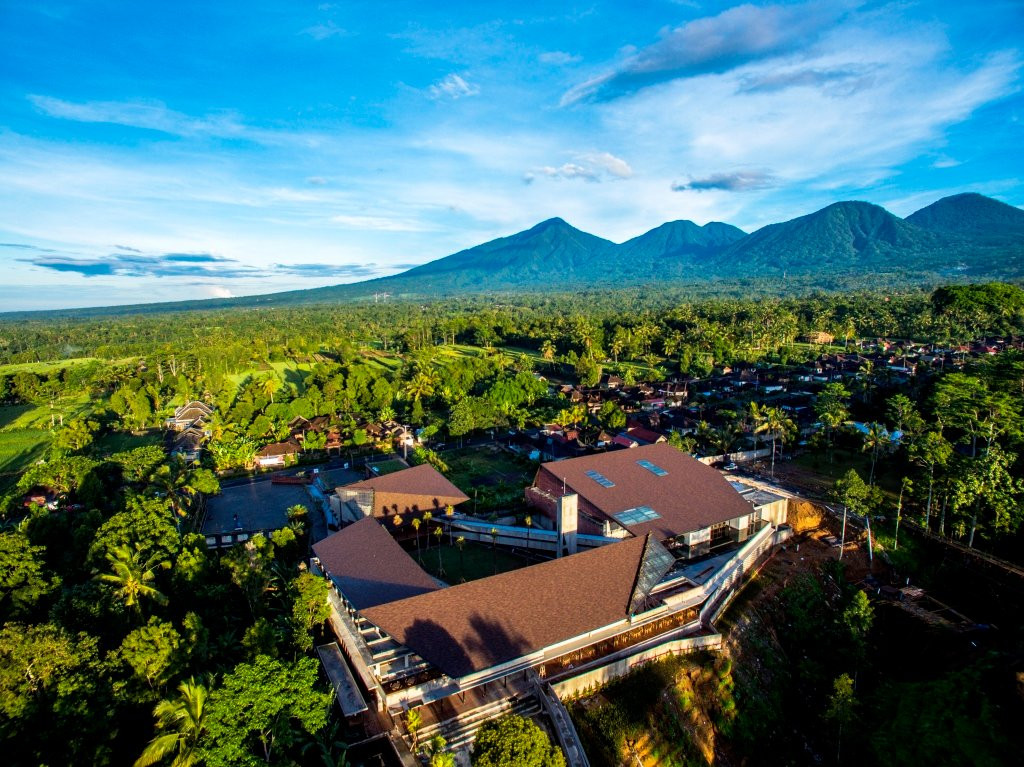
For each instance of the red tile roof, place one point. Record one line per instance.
(370, 567)
(689, 497)
(476, 625)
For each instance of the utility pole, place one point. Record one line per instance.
(842, 539)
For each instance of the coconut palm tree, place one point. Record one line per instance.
(876, 440)
(777, 425)
(419, 386)
(132, 577)
(416, 522)
(548, 351)
(460, 544)
(269, 386)
(427, 516)
(438, 532)
(181, 723)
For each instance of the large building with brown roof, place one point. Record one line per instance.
(460, 652)
(654, 489)
(409, 492)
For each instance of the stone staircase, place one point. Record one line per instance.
(460, 731)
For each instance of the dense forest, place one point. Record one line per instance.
(125, 639)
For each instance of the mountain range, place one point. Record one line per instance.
(962, 237)
(966, 235)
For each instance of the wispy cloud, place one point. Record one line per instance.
(453, 86)
(380, 223)
(23, 246)
(559, 58)
(324, 31)
(712, 44)
(136, 265)
(327, 270)
(739, 181)
(149, 115)
(840, 82)
(589, 166)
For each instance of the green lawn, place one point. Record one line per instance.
(121, 441)
(388, 467)
(18, 450)
(481, 466)
(475, 561)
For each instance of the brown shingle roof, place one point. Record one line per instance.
(422, 480)
(689, 497)
(369, 567)
(476, 625)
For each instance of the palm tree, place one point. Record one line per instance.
(133, 578)
(548, 351)
(877, 440)
(181, 722)
(449, 511)
(387, 413)
(438, 756)
(438, 532)
(416, 526)
(776, 424)
(427, 516)
(413, 720)
(269, 386)
(419, 386)
(460, 544)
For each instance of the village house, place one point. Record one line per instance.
(191, 415)
(278, 453)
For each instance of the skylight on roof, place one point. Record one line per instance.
(600, 478)
(653, 468)
(636, 515)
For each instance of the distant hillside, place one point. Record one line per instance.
(963, 237)
(551, 253)
(674, 250)
(844, 237)
(973, 216)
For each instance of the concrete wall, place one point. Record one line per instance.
(739, 455)
(600, 676)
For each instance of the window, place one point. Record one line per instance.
(600, 478)
(636, 515)
(653, 468)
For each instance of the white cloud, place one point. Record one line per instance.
(452, 87)
(216, 291)
(379, 223)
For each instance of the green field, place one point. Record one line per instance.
(18, 450)
(39, 416)
(475, 561)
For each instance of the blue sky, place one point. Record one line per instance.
(160, 151)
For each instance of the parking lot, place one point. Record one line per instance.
(253, 507)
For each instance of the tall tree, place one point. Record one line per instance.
(180, 725)
(262, 708)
